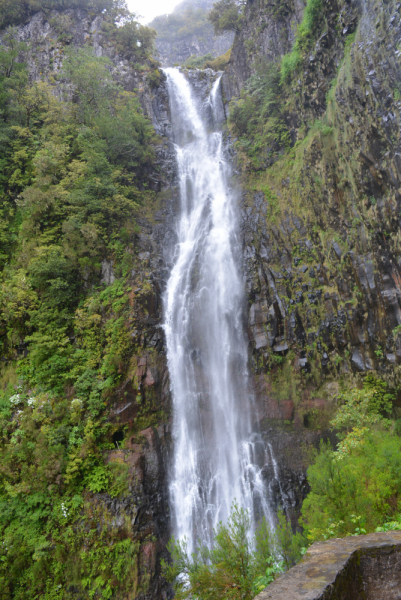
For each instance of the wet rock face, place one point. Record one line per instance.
(284, 472)
(320, 253)
(146, 505)
(364, 567)
(172, 53)
(321, 256)
(267, 31)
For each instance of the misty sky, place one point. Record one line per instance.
(149, 9)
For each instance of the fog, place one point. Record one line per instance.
(151, 8)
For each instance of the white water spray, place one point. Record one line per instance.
(214, 462)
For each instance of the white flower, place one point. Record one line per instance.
(76, 404)
(64, 510)
(14, 400)
(31, 401)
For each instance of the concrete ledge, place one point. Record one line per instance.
(366, 567)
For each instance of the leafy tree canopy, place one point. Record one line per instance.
(73, 174)
(356, 488)
(225, 16)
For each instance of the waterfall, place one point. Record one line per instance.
(214, 448)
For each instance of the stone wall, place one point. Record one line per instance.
(366, 567)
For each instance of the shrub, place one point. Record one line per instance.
(290, 62)
(197, 62)
(357, 487)
(364, 483)
(237, 566)
(257, 116)
(155, 78)
(219, 63)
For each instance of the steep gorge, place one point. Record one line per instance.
(319, 227)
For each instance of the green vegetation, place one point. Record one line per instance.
(257, 116)
(237, 567)
(73, 176)
(225, 16)
(208, 62)
(220, 62)
(198, 62)
(356, 488)
(311, 25)
(13, 12)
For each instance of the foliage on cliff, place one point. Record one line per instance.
(311, 26)
(123, 31)
(13, 12)
(208, 62)
(75, 154)
(319, 153)
(238, 566)
(260, 116)
(357, 487)
(225, 16)
(257, 116)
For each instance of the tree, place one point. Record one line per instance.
(10, 50)
(93, 85)
(238, 566)
(355, 488)
(225, 16)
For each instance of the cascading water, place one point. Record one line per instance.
(214, 450)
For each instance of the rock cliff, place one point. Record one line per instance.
(140, 407)
(320, 227)
(187, 33)
(320, 220)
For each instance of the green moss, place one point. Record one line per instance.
(310, 27)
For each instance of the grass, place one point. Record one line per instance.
(306, 35)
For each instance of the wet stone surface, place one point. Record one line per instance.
(366, 567)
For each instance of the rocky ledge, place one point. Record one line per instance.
(364, 567)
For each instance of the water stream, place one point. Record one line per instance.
(215, 451)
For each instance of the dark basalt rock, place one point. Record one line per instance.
(358, 271)
(173, 52)
(331, 306)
